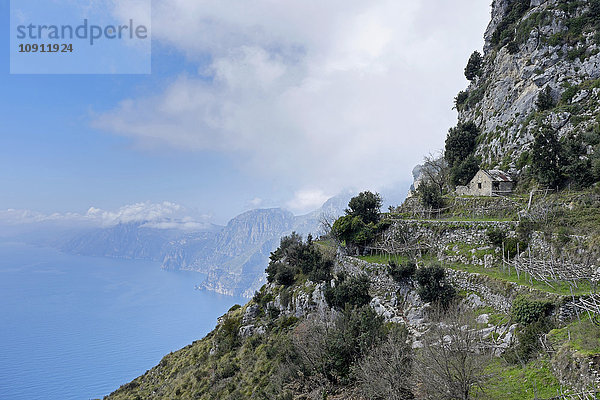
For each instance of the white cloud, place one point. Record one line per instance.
(138, 212)
(307, 200)
(164, 215)
(323, 95)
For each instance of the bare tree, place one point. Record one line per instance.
(451, 364)
(326, 221)
(435, 170)
(385, 373)
(310, 344)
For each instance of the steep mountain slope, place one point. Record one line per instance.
(530, 48)
(126, 240)
(235, 258)
(520, 268)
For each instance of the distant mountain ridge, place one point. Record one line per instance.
(233, 257)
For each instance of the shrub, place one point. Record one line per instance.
(528, 341)
(227, 338)
(285, 275)
(294, 257)
(505, 31)
(474, 66)
(526, 311)
(512, 47)
(402, 273)
(496, 236)
(430, 196)
(329, 346)
(358, 330)
(545, 101)
(386, 371)
(461, 99)
(352, 291)
(525, 229)
(514, 246)
(433, 286)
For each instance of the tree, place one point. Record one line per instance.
(546, 157)
(430, 196)
(452, 362)
(352, 230)
(545, 101)
(435, 171)
(366, 205)
(474, 66)
(577, 167)
(460, 142)
(460, 100)
(295, 256)
(463, 172)
(352, 291)
(433, 286)
(328, 345)
(386, 371)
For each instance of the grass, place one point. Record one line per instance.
(495, 317)
(510, 382)
(584, 336)
(523, 279)
(561, 288)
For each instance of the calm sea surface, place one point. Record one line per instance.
(74, 327)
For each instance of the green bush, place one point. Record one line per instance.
(545, 101)
(474, 66)
(527, 311)
(358, 330)
(461, 99)
(546, 157)
(433, 286)
(296, 257)
(430, 196)
(512, 47)
(525, 229)
(402, 273)
(352, 291)
(505, 31)
(227, 338)
(514, 246)
(496, 236)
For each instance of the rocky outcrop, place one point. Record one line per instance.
(550, 49)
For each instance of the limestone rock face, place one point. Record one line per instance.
(544, 53)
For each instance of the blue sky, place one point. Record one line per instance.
(258, 108)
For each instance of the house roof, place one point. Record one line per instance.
(498, 176)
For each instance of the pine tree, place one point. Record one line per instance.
(546, 157)
(473, 68)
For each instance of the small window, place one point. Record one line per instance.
(479, 185)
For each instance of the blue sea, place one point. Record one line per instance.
(74, 327)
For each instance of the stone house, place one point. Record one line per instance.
(488, 183)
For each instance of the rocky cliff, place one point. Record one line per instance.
(532, 47)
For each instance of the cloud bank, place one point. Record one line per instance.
(324, 96)
(165, 215)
